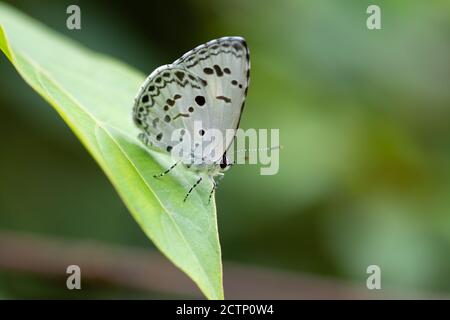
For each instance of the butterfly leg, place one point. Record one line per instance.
(215, 186)
(192, 188)
(212, 190)
(165, 172)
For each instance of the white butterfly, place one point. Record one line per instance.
(207, 84)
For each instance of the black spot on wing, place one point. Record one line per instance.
(226, 99)
(203, 81)
(237, 47)
(208, 70)
(186, 115)
(180, 75)
(218, 70)
(200, 100)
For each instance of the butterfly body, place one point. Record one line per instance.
(200, 92)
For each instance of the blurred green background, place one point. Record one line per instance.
(364, 119)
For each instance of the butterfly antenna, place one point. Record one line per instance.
(259, 149)
(192, 188)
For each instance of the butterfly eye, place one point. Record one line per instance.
(224, 165)
(224, 162)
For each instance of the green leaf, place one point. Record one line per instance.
(94, 95)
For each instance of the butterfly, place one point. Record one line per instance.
(207, 85)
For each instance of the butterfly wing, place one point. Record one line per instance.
(224, 64)
(165, 103)
(208, 84)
